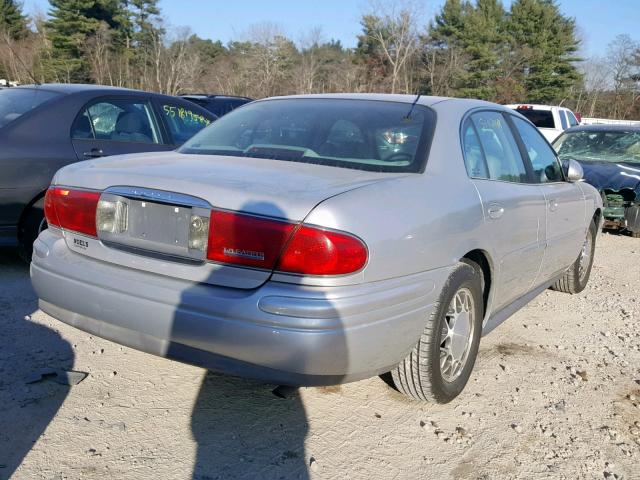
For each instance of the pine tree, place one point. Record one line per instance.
(546, 43)
(478, 32)
(485, 43)
(447, 29)
(12, 21)
(72, 22)
(144, 18)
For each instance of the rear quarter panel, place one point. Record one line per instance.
(416, 223)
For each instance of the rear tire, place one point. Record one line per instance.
(437, 371)
(32, 224)
(576, 278)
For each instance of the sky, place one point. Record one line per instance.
(599, 21)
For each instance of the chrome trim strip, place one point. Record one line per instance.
(160, 196)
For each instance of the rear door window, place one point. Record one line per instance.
(501, 154)
(182, 122)
(117, 120)
(473, 156)
(540, 118)
(15, 102)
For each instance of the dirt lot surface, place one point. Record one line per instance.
(555, 394)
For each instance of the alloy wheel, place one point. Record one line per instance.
(456, 335)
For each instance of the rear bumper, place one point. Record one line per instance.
(279, 332)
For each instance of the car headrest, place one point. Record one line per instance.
(129, 122)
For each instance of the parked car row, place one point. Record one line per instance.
(306, 240)
(317, 239)
(610, 157)
(45, 127)
(550, 120)
(609, 152)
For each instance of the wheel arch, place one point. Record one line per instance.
(483, 260)
(597, 218)
(25, 212)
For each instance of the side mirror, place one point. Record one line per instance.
(573, 171)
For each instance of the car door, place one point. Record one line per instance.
(565, 203)
(116, 125)
(514, 208)
(182, 120)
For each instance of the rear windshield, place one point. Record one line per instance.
(540, 118)
(15, 102)
(219, 106)
(600, 146)
(358, 134)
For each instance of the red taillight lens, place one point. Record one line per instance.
(246, 240)
(250, 241)
(313, 251)
(72, 209)
(49, 208)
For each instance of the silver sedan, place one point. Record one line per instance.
(321, 239)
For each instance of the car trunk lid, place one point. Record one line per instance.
(163, 192)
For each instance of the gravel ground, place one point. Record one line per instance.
(555, 394)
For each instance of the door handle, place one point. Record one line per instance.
(93, 153)
(553, 204)
(495, 210)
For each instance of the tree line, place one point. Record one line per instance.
(471, 48)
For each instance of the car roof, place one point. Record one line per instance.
(535, 106)
(204, 96)
(70, 88)
(425, 100)
(604, 128)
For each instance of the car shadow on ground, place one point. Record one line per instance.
(243, 430)
(27, 349)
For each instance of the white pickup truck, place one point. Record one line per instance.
(551, 121)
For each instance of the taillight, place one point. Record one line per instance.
(246, 240)
(72, 209)
(314, 251)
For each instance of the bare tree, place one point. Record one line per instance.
(99, 56)
(19, 59)
(393, 29)
(440, 66)
(174, 64)
(309, 66)
(621, 58)
(597, 80)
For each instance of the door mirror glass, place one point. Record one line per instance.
(572, 170)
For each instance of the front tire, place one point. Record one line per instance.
(439, 366)
(576, 278)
